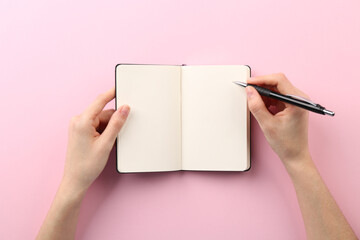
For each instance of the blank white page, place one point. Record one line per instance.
(150, 140)
(215, 118)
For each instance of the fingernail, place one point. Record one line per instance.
(249, 92)
(124, 111)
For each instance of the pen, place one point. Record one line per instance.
(292, 99)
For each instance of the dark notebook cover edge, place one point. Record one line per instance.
(117, 169)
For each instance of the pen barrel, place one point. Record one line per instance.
(317, 108)
(262, 91)
(308, 106)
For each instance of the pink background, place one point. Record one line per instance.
(56, 56)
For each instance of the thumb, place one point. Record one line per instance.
(257, 106)
(114, 126)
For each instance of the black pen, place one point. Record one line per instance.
(292, 99)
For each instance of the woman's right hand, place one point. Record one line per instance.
(286, 130)
(285, 126)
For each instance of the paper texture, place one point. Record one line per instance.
(183, 117)
(151, 137)
(215, 118)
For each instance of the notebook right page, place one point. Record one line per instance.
(215, 118)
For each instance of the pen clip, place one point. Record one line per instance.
(302, 99)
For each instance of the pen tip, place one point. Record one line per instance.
(328, 112)
(240, 83)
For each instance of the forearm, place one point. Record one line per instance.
(61, 221)
(322, 217)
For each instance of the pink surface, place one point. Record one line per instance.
(56, 56)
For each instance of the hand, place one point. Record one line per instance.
(91, 137)
(286, 129)
(285, 126)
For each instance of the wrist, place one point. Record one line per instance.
(299, 163)
(70, 191)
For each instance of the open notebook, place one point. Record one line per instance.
(183, 118)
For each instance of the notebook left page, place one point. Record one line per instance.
(150, 140)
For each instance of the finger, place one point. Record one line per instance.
(114, 126)
(98, 105)
(270, 79)
(105, 115)
(257, 107)
(103, 119)
(277, 80)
